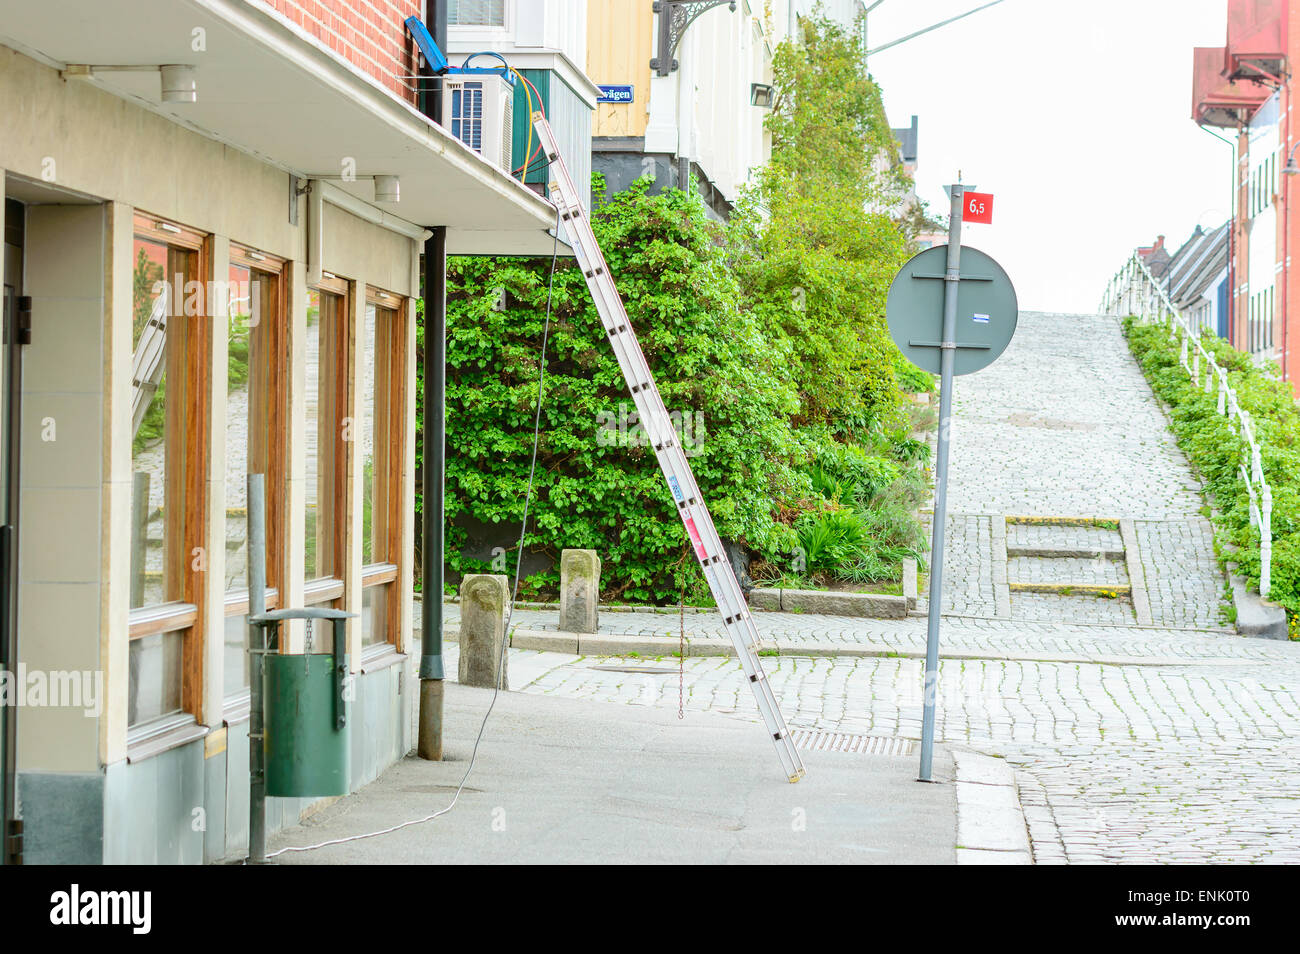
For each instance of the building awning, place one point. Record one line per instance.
(1217, 101)
(1257, 34)
(270, 90)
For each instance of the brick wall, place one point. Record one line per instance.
(369, 34)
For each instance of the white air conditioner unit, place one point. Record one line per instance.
(480, 107)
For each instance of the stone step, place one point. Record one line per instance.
(1085, 569)
(1105, 523)
(1056, 539)
(1102, 590)
(1065, 553)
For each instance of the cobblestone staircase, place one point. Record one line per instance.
(1114, 572)
(1068, 568)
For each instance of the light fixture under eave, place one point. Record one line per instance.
(177, 79)
(761, 94)
(388, 189)
(178, 84)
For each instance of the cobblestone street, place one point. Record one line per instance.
(1141, 730)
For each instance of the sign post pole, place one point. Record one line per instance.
(949, 323)
(947, 354)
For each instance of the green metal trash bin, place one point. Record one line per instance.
(305, 730)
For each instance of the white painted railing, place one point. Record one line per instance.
(1134, 291)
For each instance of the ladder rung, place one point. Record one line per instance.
(676, 468)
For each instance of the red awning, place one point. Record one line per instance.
(1220, 102)
(1257, 34)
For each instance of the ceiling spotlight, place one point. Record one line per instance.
(178, 85)
(388, 189)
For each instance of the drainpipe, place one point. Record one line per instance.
(429, 743)
(685, 114)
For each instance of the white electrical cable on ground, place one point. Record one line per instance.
(514, 593)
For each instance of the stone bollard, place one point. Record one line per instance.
(579, 590)
(483, 599)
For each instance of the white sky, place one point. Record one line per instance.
(1075, 114)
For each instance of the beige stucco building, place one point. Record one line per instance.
(212, 287)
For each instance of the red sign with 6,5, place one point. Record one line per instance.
(977, 207)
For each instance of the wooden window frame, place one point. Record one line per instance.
(185, 614)
(276, 374)
(337, 372)
(391, 340)
(272, 378)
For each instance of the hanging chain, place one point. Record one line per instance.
(681, 645)
(308, 648)
(681, 657)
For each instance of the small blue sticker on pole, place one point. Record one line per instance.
(676, 489)
(982, 319)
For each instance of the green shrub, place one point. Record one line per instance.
(598, 484)
(831, 539)
(849, 473)
(912, 379)
(1218, 452)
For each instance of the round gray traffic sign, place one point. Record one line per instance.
(986, 310)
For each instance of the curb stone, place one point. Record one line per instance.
(1001, 588)
(1256, 616)
(1137, 580)
(829, 603)
(614, 644)
(991, 825)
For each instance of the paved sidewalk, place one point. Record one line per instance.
(1130, 730)
(565, 780)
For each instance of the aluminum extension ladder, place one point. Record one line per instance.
(663, 437)
(147, 361)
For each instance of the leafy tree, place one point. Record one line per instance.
(814, 244)
(143, 278)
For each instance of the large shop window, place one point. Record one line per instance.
(383, 449)
(256, 415)
(328, 435)
(171, 342)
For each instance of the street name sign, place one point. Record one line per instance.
(615, 93)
